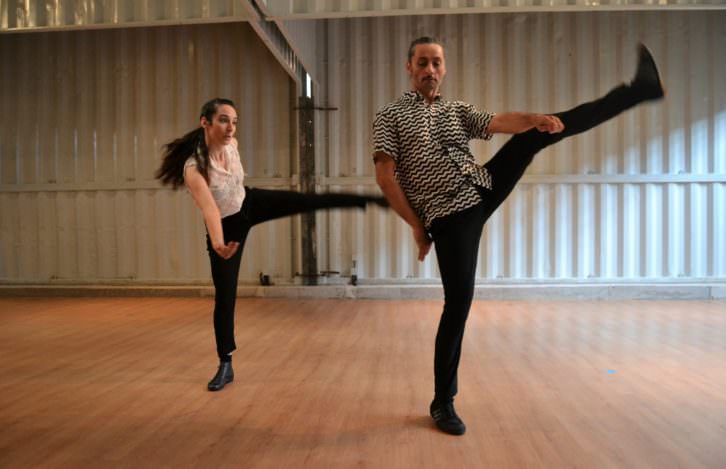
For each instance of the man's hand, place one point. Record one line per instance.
(226, 251)
(385, 169)
(547, 123)
(423, 241)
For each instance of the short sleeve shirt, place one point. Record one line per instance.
(430, 145)
(226, 185)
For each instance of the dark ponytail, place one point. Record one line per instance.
(191, 144)
(176, 154)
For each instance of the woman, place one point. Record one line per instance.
(206, 160)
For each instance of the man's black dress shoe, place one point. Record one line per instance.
(647, 81)
(446, 419)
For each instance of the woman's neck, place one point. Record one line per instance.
(215, 151)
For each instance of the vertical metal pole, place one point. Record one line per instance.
(307, 184)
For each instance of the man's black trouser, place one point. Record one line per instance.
(260, 205)
(456, 236)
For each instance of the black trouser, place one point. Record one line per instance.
(260, 205)
(456, 237)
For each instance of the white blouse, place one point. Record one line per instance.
(226, 185)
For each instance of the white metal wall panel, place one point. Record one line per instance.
(374, 242)
(308, 9)
(83, 117)
(27, 15)
(639, 198)
(23, 16)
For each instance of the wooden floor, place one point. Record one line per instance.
(342, 383)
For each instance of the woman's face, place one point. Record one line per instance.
(224, 123)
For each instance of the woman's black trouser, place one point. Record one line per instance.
(456, 236)
(260, 205)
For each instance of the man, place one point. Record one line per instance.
(427, 173)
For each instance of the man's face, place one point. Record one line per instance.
(427, 68)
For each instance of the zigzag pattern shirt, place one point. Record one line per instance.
(430, 145)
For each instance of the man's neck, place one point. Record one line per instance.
(429, 95)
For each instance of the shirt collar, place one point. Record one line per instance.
(417, 97)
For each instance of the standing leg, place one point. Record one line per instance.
(456, 240)
(260, 205)
(225, 273)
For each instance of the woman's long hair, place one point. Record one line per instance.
(192, 144)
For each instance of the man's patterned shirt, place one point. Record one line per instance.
(430, 145)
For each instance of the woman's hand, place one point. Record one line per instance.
(203, 198)
(423, 241)
(226, 251)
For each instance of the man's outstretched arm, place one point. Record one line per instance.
(518, 122)
(386, 180)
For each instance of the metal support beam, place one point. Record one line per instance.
(307, 184)
(275, 41)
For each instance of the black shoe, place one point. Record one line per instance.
(224, 375)
(647, 81)
(446, 419)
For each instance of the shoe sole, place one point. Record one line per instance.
(451, 432)
(221, 387)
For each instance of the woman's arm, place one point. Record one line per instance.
(204, 200)
(386, 180)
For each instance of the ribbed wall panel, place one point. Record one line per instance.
(639, 198)
(553, 232)
(24, 16)
(374, 241)
(308, 9)
(84, 115)
(27, 15)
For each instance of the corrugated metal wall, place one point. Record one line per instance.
(84, 114)
(299, 9)
(641, 197)
(23, 16)
(47, 14)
